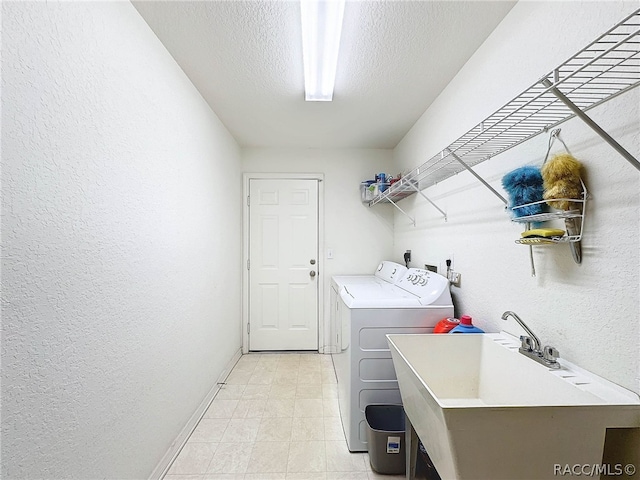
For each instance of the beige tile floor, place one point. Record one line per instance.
(276, 418)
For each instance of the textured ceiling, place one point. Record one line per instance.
(245, 58)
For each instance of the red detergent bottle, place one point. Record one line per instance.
(446, 325)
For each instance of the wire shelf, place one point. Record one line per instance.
(545, 217)
(573, 219)
(549, 241)
(399, 190)
(604, 69)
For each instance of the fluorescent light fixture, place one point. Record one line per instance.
(321, 29)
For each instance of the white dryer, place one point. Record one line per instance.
(368, 312)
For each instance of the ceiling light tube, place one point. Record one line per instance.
(321, 29)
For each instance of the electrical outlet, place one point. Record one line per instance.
(455, 279)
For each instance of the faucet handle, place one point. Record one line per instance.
(526, 343)
(550, 354)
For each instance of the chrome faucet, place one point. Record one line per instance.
(531, 346)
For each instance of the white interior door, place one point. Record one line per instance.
(283, 261)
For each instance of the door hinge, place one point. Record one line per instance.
(248, 328)
(248, 264)
(248, 201)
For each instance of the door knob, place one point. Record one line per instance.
(312, 273)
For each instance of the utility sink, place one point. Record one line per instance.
(485, 411)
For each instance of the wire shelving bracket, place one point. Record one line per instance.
(604, 69)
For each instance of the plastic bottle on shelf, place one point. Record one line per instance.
(382, 182)
(466, 326)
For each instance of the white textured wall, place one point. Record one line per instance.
(590, 311)
(121, 223)
(360, 236)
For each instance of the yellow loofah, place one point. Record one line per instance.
(561, 166)
(561, 179)
(563, 189)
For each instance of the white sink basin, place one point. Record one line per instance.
(485, 411)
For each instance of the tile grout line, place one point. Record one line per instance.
(319, 369)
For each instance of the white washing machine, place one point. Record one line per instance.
(387, 273)
(366, 314)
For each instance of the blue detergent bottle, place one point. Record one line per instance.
(466, 326)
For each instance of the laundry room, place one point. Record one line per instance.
(181, 215)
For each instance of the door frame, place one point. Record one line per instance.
(246, 177)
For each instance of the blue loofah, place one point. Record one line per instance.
(524, 185)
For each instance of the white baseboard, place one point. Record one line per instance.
(163, 466)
